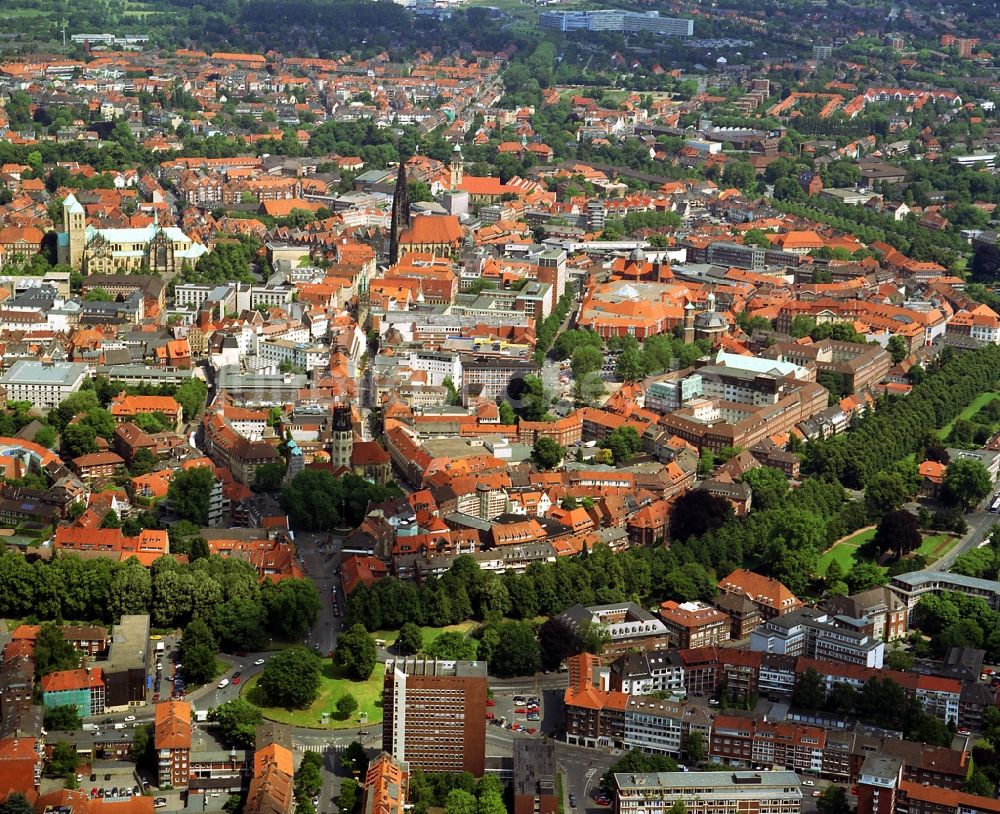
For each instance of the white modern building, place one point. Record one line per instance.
(44, 384)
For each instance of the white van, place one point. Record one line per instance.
(224, 683)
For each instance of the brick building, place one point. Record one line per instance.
(435, 713)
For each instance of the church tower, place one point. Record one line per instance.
(457, 167)
(341, 437)
(400, 213)
(75, 227)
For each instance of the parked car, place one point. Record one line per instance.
(224, 683)
(259, 662)
(490, 702)
(520, 710)
(808, 783)
(129, 718)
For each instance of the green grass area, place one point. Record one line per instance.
(429, 633)
(332, 686)
(843, 553)
(981, 401)
(935, 546)
(844, 550)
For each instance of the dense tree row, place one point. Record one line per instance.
(899, 425)
(315, 499)
(466, 592)
(225, 593)
(959, 620)
(881, 702)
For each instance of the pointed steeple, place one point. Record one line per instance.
(400, 213)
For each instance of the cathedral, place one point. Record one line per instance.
(150, 248)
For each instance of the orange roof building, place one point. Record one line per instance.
(172, 740)
(271, 787)
(770, 596)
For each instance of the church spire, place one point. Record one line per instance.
(400, 213)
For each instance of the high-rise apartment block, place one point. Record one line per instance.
(435, 714)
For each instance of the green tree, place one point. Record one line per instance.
(898, 348)
(65, 718)
(240, 624)
(491, 802)
(410, 640)
(291, 678)
(53, 652)
(16, 803)
(629, 366)
(190, 492)
(769, 485)
(756, 237)
(885, 492)
(694, 747)
(833, 800)
(809, 693)
(966, 482)
(452, 646)
(143, 462)
(46, 436)
(291, 607)
(268, 477)
(63, 760)
(354, 758)
(197, 651)
(460, 802)
(546, 453)
(317, 500)
(356, 654)
(78, 439)
(192, 393)
(238, 720)
(978, 784)
(897, 531)
(623, 443)
(513, 651)
(586, 359)
(346, 705)
(507, 415)
(864, 575)
(349, 795)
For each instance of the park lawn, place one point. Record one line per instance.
(843, 553)
(332, 686)
(429, 633)
(935, 546)
(980, 401)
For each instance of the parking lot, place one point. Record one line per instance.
(516, 711)
(110, 782)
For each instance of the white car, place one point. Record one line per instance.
(224, 683)
(808, 783)
(259, 662)
(129, 718)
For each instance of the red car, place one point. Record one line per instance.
(490, 702)
(489, 716)
(520, 711)
(236, 680)
(531, 730)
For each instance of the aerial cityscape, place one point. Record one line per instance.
(499, 407)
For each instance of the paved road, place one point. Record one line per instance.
(980, 524)
(320, 557)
